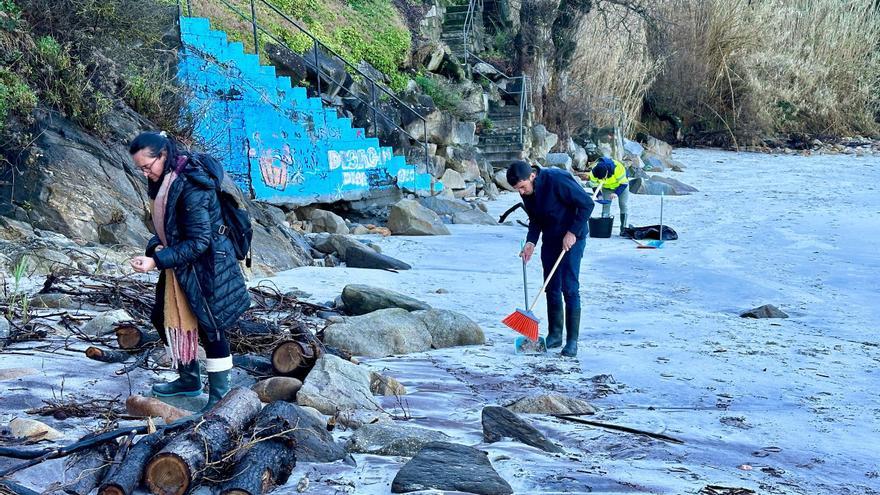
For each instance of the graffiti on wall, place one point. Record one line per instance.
(275, 141)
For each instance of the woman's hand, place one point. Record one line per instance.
(142, 264)
(568, 241)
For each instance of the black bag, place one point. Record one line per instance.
(236, 220)
(650, 232)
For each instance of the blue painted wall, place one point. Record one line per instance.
(273, 140)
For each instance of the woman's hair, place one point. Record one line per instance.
(518, 171)
(155, 143)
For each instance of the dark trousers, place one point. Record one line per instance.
(564, 283)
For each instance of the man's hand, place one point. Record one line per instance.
(568, 241)
(527, 252)
(613, 196)
(143, 264)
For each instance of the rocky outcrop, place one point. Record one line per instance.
(408, 217)
(361, 299)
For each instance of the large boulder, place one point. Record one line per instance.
(313, 442)
(468, 168)
(551, 403)
(657, 185)
(542, 141)
(446, 208)
(378, 334)
(450, 329)
(559, 160)
(474, 216)
(452, 179)
(393, 438)
(675, 187)
(450, 467)
(356, 254)
(408, 217)
(336, 384)
(362, 299)
(500, 178)
(500, 423)
(105, 323)
(327, 221)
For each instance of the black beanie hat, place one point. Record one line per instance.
(518, 171)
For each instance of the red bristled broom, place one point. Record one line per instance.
(523, 320)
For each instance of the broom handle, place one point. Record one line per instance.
(525, 286)
(547, 282)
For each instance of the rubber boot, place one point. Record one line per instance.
(188, 383)
(572, 329)
(554, 321)
(622, 223)
(218, 387)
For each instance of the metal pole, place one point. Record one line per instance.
(317, 68)
(189, 8)
(375, 106)
(254, 24)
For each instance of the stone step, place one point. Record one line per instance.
(491, 149)
(498, 140)
(457, 8)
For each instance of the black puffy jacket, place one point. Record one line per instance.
(202, 258)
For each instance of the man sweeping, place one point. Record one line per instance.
(608, 179)
(558, 207)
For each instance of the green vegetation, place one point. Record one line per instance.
(446, 97)
(369, 30)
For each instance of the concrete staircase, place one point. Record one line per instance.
(453, 29)
(273, 140)
(501, 144)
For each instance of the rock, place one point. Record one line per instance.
(378, 334)
(676, 187)
(445, 207)
(469, 191)
(500, 423)
(357, 418)
(356, 254)
(474, 216)
(491, 190)
(362, 299)
(5, 331)
(52, 300)
(500, 178)
(559, 160)
(359, 229)
(450, 329)
(632, 148)
(658, 147)
(765, 311)
(550, 404)
(468, 168)
(43, 261)
(334, 383)
(13, 373)
(465, 133)
(393, 438)
(542, 141)
(33, 430)
(105, 323)
(450, 467)
(385, 385)
(452, 179)
(408, 217)
(579, 156)
(313, 442)
(652, 163)
(277, 388)
(327, 221)
(676, 165)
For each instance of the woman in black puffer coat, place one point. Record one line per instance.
(201, 290)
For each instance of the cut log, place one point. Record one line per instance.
(126, 476)
(277, 388)
(131, 337)
(268, 463)
(84, 470)
(294, 358)
(181, 463)
(106, 355)
(253, 364)
(138, 405)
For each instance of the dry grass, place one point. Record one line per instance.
(610, 72)
(738, 71)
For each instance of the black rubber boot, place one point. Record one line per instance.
(218, 387)
(188, 383)
(622, 222)
(572, 329)
(555, 318)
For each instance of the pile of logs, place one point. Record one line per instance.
(239, 448)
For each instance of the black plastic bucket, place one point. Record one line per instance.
(601, 227)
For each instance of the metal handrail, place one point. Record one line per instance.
(469, 24)
(523, 92)
(320, 72)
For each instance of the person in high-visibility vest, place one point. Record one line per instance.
(608, 178)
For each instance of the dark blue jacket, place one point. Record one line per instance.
(202, 258)
(559, 204)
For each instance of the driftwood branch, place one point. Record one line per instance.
(609, 426)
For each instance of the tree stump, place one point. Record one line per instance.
(130, 337)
